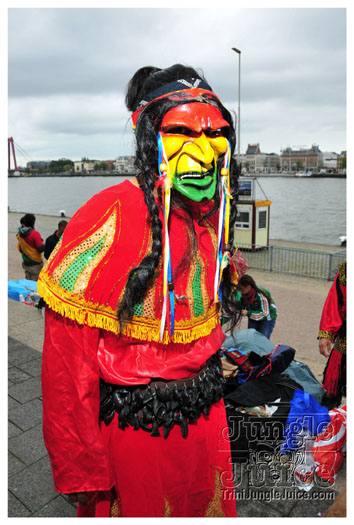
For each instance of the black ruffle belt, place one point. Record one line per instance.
(164, 403)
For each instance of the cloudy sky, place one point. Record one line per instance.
(68, 69)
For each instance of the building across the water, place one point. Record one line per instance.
(125, 164)
(307, 159)
(255, 161)
(38, 164)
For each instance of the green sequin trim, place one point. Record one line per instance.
(71, 274)
(138, 309)
(197, 291)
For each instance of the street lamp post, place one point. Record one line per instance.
(239, 111)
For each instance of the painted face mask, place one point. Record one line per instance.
(193, 140)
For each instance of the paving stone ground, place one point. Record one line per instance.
(31, 490)
(30, 483)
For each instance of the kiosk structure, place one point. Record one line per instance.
(252, 221)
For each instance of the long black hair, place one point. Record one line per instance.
(143, 82)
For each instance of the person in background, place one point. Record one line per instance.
(257, 303)
(30, 245)
(332, 332)
(52, 240)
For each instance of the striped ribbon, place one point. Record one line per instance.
(223, 228)
(165, 179)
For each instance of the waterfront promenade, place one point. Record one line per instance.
(31, 490)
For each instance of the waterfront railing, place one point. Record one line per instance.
(307, 263)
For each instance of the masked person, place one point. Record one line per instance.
(133, 417)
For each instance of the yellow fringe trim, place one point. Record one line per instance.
(96, 316)
(180, 335)
(342, 271)
(324, 334)
(341, 345)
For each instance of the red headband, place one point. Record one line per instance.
(177, 95)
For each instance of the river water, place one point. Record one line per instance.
(303, 209)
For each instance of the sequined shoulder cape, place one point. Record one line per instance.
(85, 277)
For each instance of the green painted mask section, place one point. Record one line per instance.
(195, 187)
(197, 291)
(71, 274)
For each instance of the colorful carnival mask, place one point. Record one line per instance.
(193, 139)
(190, 141)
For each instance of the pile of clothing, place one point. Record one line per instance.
(272, 400)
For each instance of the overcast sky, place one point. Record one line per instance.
(68, 70)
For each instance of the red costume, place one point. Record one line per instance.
(333, 327)
(82, 284)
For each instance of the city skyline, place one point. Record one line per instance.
(117, 157)
(68, 69)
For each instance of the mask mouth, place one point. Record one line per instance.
(196, 175)
(205, 187)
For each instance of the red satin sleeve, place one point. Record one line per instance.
(70, 385)
(333, 313)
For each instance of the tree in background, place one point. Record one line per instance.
(58, 166)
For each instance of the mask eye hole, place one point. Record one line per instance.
(179, 130)
(214, 133)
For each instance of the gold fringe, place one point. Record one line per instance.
(95, 316)
(342, 271)
(81, 313)
(341, 345)
(146, 333)
(324, 334)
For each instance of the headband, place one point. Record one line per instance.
(193, 87)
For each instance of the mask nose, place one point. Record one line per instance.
(200, 149)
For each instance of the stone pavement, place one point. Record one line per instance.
(30, 486)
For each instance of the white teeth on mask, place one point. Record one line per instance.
(192, 176)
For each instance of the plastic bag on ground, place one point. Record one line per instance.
(329, 447)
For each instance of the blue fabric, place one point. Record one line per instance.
(252, 341)
(265, 365)
(305, 416)
(264, 327)
(22, 286)
(302, 374)
(249, 340)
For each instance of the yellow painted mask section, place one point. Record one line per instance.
(193, 139)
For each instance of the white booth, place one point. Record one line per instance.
(252, 221)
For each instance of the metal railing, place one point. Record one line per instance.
(308, 263)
